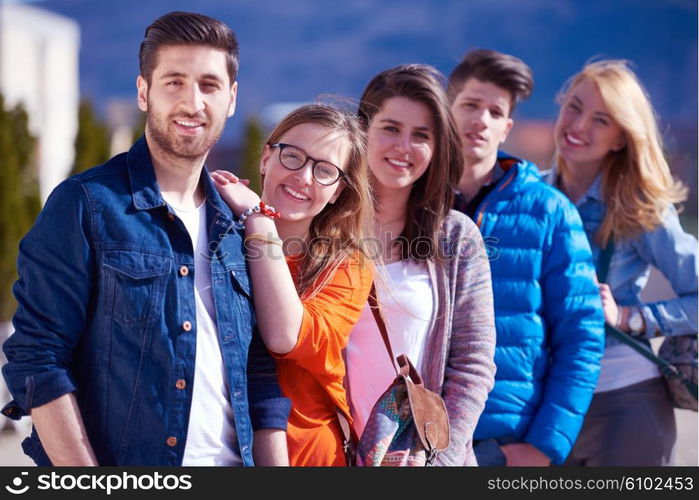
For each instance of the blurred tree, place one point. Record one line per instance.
(92, 144)
(140, 127)
(19, 196)
(253, 140)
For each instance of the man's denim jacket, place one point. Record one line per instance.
(668, 248)
(105, 309)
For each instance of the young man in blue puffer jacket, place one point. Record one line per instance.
(548, 313)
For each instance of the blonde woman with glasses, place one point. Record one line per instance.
(314, 207)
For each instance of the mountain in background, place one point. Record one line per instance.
(294, 51)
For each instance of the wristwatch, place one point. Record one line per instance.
(636, 321)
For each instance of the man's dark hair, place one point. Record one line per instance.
(490, 66)
(187, 28)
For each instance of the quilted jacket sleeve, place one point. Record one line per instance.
(574, 320)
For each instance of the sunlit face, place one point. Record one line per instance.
(401, 141)
(295, 193)
(585, 132)
(188, 100)
(482, 112)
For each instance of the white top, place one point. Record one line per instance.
(407, 307)
(211, 438)
(623, 366)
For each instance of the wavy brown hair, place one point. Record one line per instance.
(637, 185)
(340, 230)
(432, 195)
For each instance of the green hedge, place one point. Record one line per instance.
(19, 196)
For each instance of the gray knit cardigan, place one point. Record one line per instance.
(458, 360)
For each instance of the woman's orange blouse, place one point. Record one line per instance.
(311, 374)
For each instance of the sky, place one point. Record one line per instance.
(297, 50)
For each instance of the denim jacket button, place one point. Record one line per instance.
(184, 271)
(171, 216)
(186, 326)
(181, 384)
(171, 441)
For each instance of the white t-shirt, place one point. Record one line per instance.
(407, 308)
(211, 438)
(623, 366)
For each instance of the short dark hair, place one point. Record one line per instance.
(490, 66)
(187, 28)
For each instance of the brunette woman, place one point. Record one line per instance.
(438, 304)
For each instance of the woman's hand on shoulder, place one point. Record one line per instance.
(234, 191)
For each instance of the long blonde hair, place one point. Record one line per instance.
(637, 185)
(340, 230)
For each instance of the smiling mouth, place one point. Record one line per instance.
(189, 124)
(474, 137)
(570, 139)
(398, 163)
(295, 194)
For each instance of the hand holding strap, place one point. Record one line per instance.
(668, 370)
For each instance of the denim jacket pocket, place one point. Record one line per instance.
(135, 282)
(240, 302)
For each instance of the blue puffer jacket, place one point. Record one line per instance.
(548, 314)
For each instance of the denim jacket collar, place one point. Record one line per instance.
(593, 193)
(214, 199)
(144, 185)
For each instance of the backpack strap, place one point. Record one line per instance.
(376, 311)
(667, 369)
(349, 437)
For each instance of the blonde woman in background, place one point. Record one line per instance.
(609, 162)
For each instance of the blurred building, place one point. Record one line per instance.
(533, 140)
(122, 119)
(272, 114)
(39, 68)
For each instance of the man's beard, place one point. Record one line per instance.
(178, 146)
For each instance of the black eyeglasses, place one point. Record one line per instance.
(293, 158)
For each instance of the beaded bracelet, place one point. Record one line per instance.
(262, 208)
